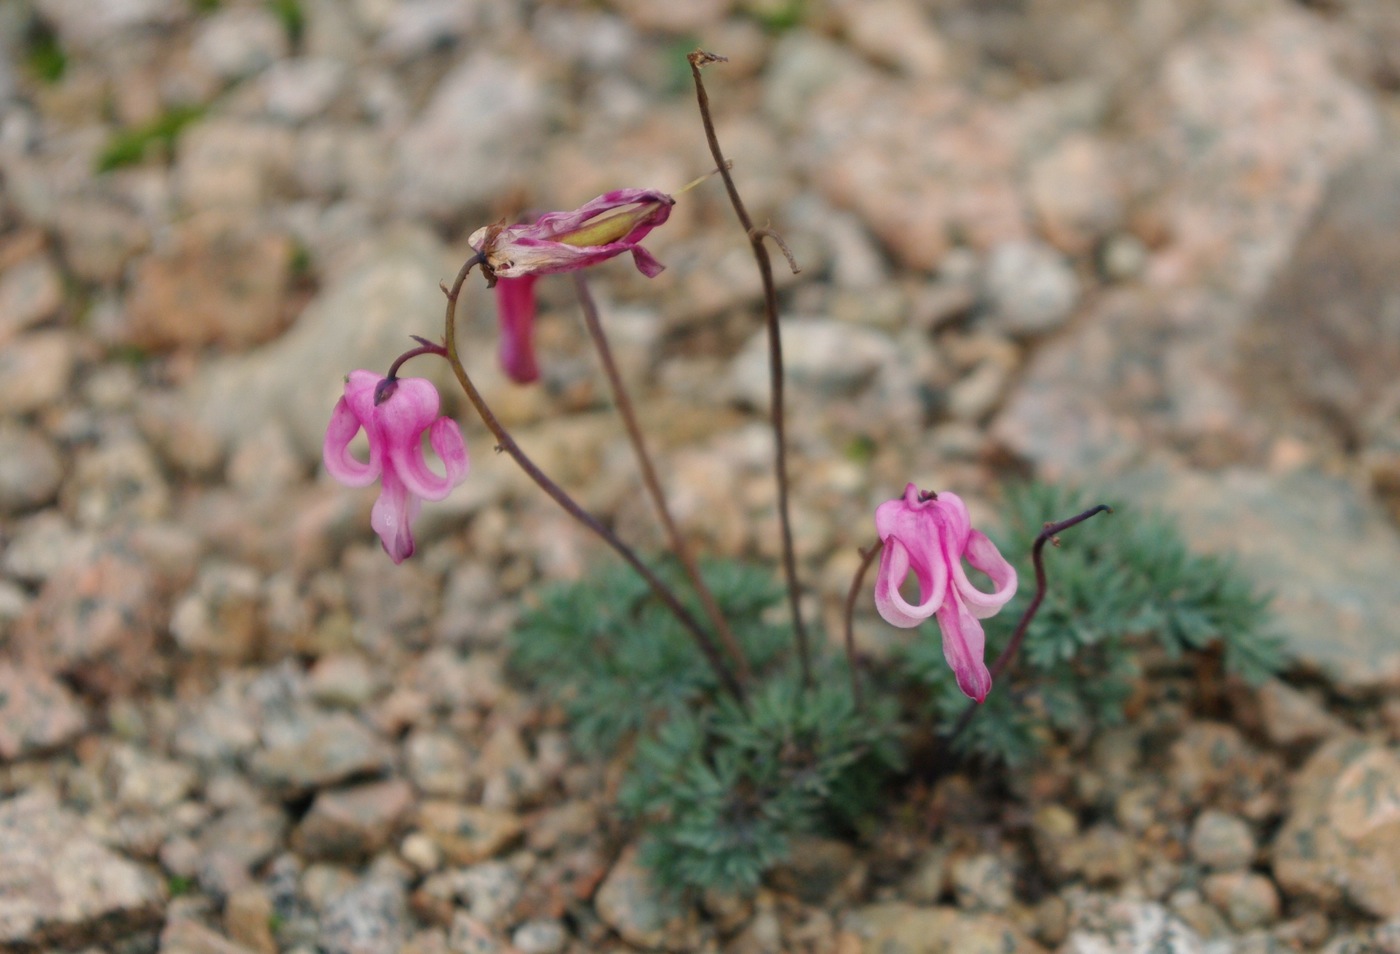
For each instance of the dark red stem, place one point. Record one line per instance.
(1047, 535)
(556, 493)
(698, 59)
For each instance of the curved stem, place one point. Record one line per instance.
(507, 444)
(867, 556)
(385, 387)
(1046, 535)
(627, 411)
(698, 59)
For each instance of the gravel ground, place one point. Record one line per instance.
(1151, 246)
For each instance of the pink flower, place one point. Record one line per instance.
(394, 426)
(514, 256)
(515, 308)
(930, 535)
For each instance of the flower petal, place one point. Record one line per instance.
(412, 468)
(403, 417)
(956, 522)
(637, 212)
(964, 644)
(911, 531)
(530, 257)
(983, 554)
(335, 450)
(646, 263)
(895, 564)
(598, 230)
(392, 517)
(515, 311)
(407, 412)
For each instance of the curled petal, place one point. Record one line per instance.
(515, 311)
(394, 428)
(930, 536)
(446, 439)
(646, 262)
(623, 215)
(983, 554)
(566, 241)
(392, 517)
(895, 565)
(964, 644)
(529, 257)
(335, 450)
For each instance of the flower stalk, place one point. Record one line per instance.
(507, 444)
(626, 410)
(698, 60)
(867, 556)
(1048, 534)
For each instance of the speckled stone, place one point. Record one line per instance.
(36, 370)
(95, 620)
(60, 886)
(31, 288)
(1341, 837)
(353, 823)
(37, 713)
(1222, 841)
(369, 918)
(1293, 717)
(1248, 899)
(468, 834)
(899, 928)
(317, 749)
(1101, 925)
(183, 936)
(630, 902)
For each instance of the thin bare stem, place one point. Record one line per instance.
(1047, 535)
(506, 443)
(867, 556)
(699, 59)
(384, 388)
(625, 408)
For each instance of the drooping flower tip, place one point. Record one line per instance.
(515, 307)
(394, 426)
(609, 225)
(930, 535)
(513, 256)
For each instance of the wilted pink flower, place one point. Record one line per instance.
(930, 535)
(596, 231)
(515, 255)
(394, 426)
(515, 309)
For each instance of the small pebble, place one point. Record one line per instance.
(1222, 842)
(540, 937)
(1249, 900)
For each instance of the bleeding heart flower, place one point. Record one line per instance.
(394, 414)
(930, 535)
(514, 256)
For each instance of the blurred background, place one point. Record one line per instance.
(1151, 246)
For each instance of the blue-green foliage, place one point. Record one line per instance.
(719, 787)
(621, 662)
(1116, 582)
(724, 788)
